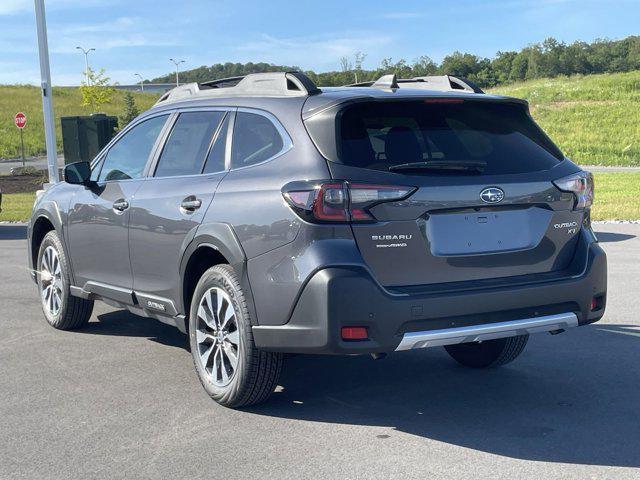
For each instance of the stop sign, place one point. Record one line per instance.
(20, 120)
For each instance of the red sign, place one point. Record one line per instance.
(20, 120)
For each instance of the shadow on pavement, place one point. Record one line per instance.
(572, 398)
(13, 232)
(606, 237)
(553, 405)
(126, 324)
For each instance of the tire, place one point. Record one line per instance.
(217, 337)
(491, 353)
(61, 309)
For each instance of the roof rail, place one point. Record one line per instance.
(222, 82)
(445, 83)
(386, 81)
(266, 84)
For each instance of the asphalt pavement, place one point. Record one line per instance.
(120, 399)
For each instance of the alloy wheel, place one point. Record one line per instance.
(217, 336)
(51, 283)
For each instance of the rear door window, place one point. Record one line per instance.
(255, 139)
(189, 141)
(379, 135)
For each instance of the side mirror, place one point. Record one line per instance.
(78, 173)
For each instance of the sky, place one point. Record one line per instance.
(139, 36)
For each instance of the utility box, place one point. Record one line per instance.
(83, 137)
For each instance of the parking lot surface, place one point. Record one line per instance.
(120, 399)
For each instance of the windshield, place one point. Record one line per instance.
(502, 136)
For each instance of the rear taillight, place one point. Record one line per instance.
(337, 201)
(581, 185)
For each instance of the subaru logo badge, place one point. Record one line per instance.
(492, 195)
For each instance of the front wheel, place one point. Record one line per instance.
(62, 310)
(230, 367)
(490, 353)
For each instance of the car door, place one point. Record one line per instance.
(170, 205)
(98, 218)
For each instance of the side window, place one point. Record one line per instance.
(215, 159)
(255, 139)
(128, 157)
(185, 150)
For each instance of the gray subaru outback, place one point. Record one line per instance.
(263, 215)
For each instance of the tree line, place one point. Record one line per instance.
(548, 59)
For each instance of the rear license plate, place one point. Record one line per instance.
(478, 233)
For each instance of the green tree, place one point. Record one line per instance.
(461, 64)
(519, 66)
(549, 58)
(358, 59)
(98, 92)
(502, 65)
(534, 59)
(130, 109)
(424, 66)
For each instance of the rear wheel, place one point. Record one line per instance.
(62, 310)
(490, 353)
(230, 367)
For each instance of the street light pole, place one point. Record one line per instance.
(45, 82)
(177, 64)
(86, 61)
(141, 81)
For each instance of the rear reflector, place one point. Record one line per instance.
(597, 303)
(354, 333)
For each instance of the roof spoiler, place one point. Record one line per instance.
(266, 84)
(444, 83)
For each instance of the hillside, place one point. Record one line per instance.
(594, 119)
(66, 101)
(547, 59)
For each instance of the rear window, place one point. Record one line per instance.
(383, 134)
(255, 139)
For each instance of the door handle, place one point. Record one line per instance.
(191, 204)
(120, 205)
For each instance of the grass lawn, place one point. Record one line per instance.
(16, 207)
(617, 198)
(594, 119)
(66, 102)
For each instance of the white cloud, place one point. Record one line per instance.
(318, 51)
(122, 32)
(117, 25)
(401, 15)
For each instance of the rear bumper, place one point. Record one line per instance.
(348, 296)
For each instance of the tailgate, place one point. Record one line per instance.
(431, 239)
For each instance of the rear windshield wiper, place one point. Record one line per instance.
(442, 165)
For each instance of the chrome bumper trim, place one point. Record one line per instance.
(490, 331)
